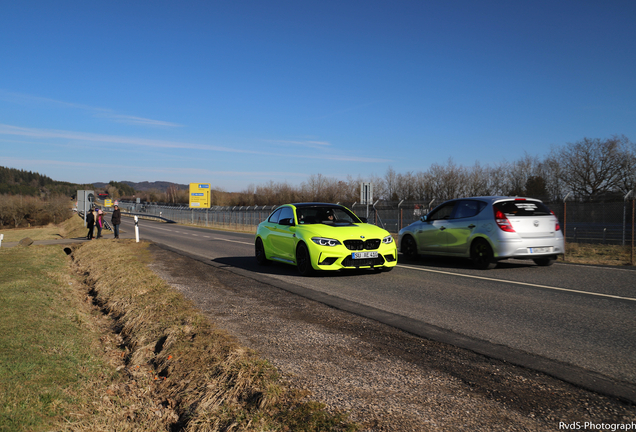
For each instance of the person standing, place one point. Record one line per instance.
(116, 220)
(99, 223)
(90, 224)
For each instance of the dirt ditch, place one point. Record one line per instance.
(387, 379)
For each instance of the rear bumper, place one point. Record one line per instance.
(530, 248)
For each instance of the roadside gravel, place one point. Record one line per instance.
(386, 379)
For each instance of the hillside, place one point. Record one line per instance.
(19, 182)
(161, 186)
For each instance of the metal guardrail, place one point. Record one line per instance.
(607, 223)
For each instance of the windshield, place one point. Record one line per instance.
(325, 215)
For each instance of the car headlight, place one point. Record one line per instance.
(325, 241)
(387, 240)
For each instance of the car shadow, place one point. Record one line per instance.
(277, 268)
(461, 263)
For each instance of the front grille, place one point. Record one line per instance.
(371, 244)
(350, 262)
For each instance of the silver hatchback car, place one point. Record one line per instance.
(486, 230)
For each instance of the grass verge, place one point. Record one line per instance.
(70, 228)
(598, 254)
(47, 342)
(151, 362)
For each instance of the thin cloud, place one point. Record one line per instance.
(305, 143)
(97, 112)
(138, 120)
(16, 161)
(137, 168)
(115, 139)
(83, 136)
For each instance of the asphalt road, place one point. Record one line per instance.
(575, 322)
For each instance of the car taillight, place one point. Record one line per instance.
(557, 227)
(502, 221)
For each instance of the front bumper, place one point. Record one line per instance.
(339, 257)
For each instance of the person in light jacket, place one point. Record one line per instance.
(99, 223)
(116, 220)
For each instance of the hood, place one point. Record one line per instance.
(352, 231)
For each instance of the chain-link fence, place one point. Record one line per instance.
(607, 223)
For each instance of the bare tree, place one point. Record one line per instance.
(592, 168)
(446, 181)
(391, 184)
(627, 180)
(476, 181)
(405, 187)
(422, 187)
(550, 169)
(172, 194)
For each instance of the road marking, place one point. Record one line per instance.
(232, 241)
(518, 283)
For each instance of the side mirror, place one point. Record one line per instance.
(286, 221)
(424, 218)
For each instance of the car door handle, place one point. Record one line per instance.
(471, 226)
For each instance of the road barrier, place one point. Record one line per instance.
(605, 223)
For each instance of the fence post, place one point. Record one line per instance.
(633, 201)
(624, 211)
(399, 227)
(565, 219)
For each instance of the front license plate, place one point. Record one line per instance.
(540, 250)
(364, 255)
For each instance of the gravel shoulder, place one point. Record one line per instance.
(388, 380)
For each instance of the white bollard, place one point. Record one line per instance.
(137, 229)
(1, 237)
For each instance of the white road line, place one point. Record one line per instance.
(517, 283)
(233, 241)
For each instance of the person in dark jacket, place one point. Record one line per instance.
(90, 224)
(116, 220)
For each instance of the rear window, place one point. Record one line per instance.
(523, 208)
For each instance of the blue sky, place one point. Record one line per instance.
(234, 93)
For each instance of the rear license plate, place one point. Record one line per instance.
(364, 255)
(541, 250)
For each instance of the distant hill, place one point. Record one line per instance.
(19, 182)
(160, 186)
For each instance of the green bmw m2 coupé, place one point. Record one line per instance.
(321, 236)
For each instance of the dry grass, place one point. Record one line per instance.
(179, 372)
(70, 228)
(598, 254)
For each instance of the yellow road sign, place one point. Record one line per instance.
(199, 195)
